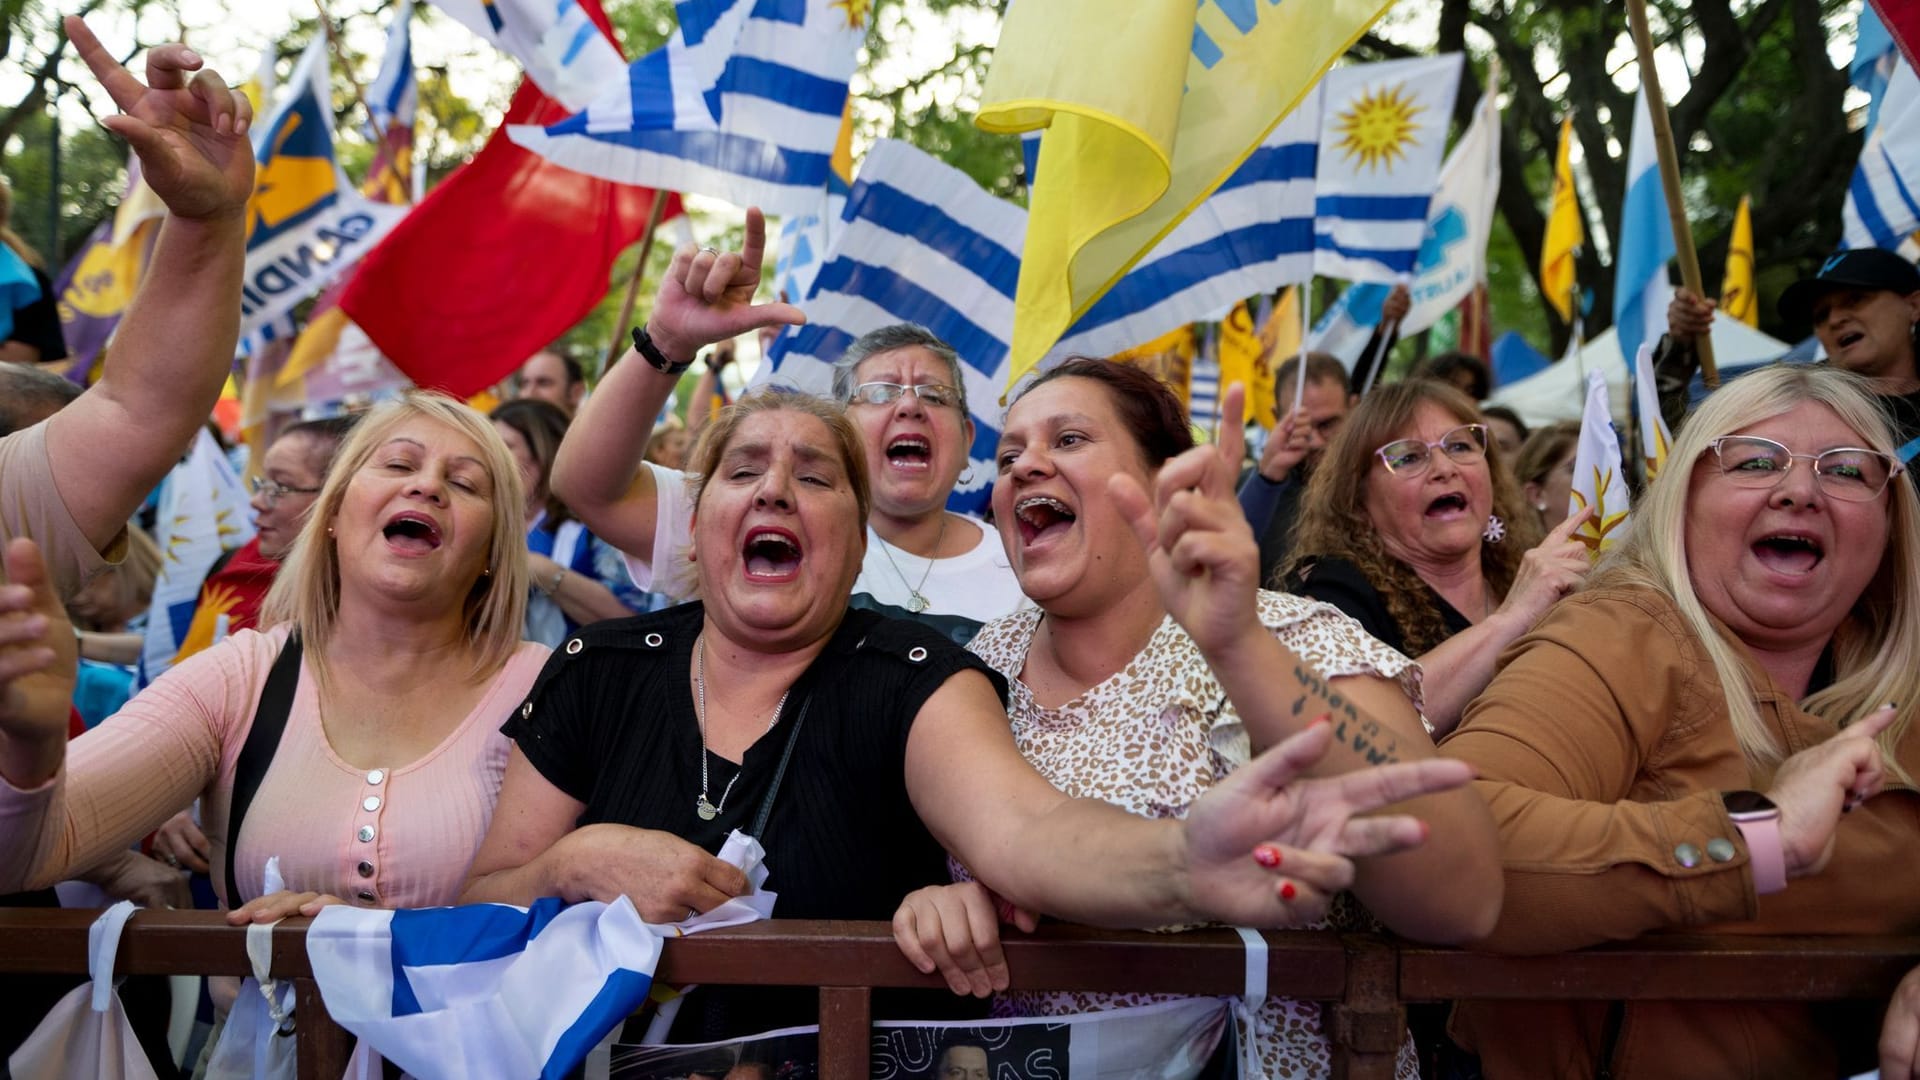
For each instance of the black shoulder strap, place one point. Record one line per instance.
(269, 722)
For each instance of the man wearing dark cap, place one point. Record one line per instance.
(1864, 305)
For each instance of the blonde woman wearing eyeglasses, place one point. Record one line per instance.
(1740, 641)
(1413, 526)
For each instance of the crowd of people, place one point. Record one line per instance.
(1363, 679)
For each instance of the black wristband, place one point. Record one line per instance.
(643, 344)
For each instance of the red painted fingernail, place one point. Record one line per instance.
(1267, 855)
(1287, 891)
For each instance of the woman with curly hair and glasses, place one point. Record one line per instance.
(1413, 526)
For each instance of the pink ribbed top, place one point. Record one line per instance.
(399, 836)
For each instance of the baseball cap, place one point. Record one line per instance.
(1861, 268)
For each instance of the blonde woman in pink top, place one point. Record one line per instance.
(406, 589)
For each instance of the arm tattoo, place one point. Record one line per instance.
(1361, 734)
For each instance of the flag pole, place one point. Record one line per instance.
(1670, 179)
(340, 55)
(617, 346)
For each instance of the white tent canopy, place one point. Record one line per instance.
(1559, 392)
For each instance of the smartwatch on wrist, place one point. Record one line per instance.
(1758, 820)
(643, 344)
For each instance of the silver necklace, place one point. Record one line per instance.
(707, 810)
(916, 600)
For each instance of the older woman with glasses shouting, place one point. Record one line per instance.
(1413, 526)
(1697, 742)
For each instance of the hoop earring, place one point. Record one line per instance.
(1496, 529)
(966, 474)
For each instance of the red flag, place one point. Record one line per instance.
(496, 262)
(1902, 18)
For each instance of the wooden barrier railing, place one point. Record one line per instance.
(1365, 980)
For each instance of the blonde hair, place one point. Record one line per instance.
(717, 435)
(1873, 649)
(1335, 522)
(306, 591)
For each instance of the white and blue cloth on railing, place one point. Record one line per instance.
(496, 991)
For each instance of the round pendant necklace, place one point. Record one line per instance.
(916, 600)
(706, 809)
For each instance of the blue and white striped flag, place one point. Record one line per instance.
(919, 242)
(743, 103)
(1641, 290)
(1252, 235)
(1883, 199)
(394, 93)
(1203, 382)
(1382, 133)
(563, 52)
(488, 991)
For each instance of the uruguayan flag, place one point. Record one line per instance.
(563, 52)
(394, 93)
(1883, 199)
(920, 242)
(1383, 130)
(1640, 287)
(489, 991)
(1253, 235)
(743, 103)
(203, 512)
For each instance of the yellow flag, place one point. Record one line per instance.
(1145, 116)
(1736, 292)
(1169, 357)
(1565, 233)
(1245, 359)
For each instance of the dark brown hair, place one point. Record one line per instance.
(1151, 413)
(543, 424)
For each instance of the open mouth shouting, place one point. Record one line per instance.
(1447, 507)
(411, 533)
(910, 451)
(770, 555)
(1791, 553)
(1042, 518)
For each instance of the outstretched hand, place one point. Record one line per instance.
(1200, 550)
(190, 132)
(707, 296)
(1267, 847)
(39, 660)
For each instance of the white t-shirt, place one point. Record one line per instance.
(963, 591)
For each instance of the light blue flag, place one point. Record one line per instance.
(1345, 327)
(394, 93)
(1873, 60)
(743, 103)
(1640, 287)
(919, 242)
(1252, 235)
(1383, 130)
(563, 52)
(1883, 198)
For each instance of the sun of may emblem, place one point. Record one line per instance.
(1378, 127)
(857, 11)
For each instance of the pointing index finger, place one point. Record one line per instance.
(1566, 529)
(1233, 426)
(115, 79)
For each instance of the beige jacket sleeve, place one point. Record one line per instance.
(31, 506)
(1585, 744)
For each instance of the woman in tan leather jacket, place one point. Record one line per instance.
(1740, 641)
